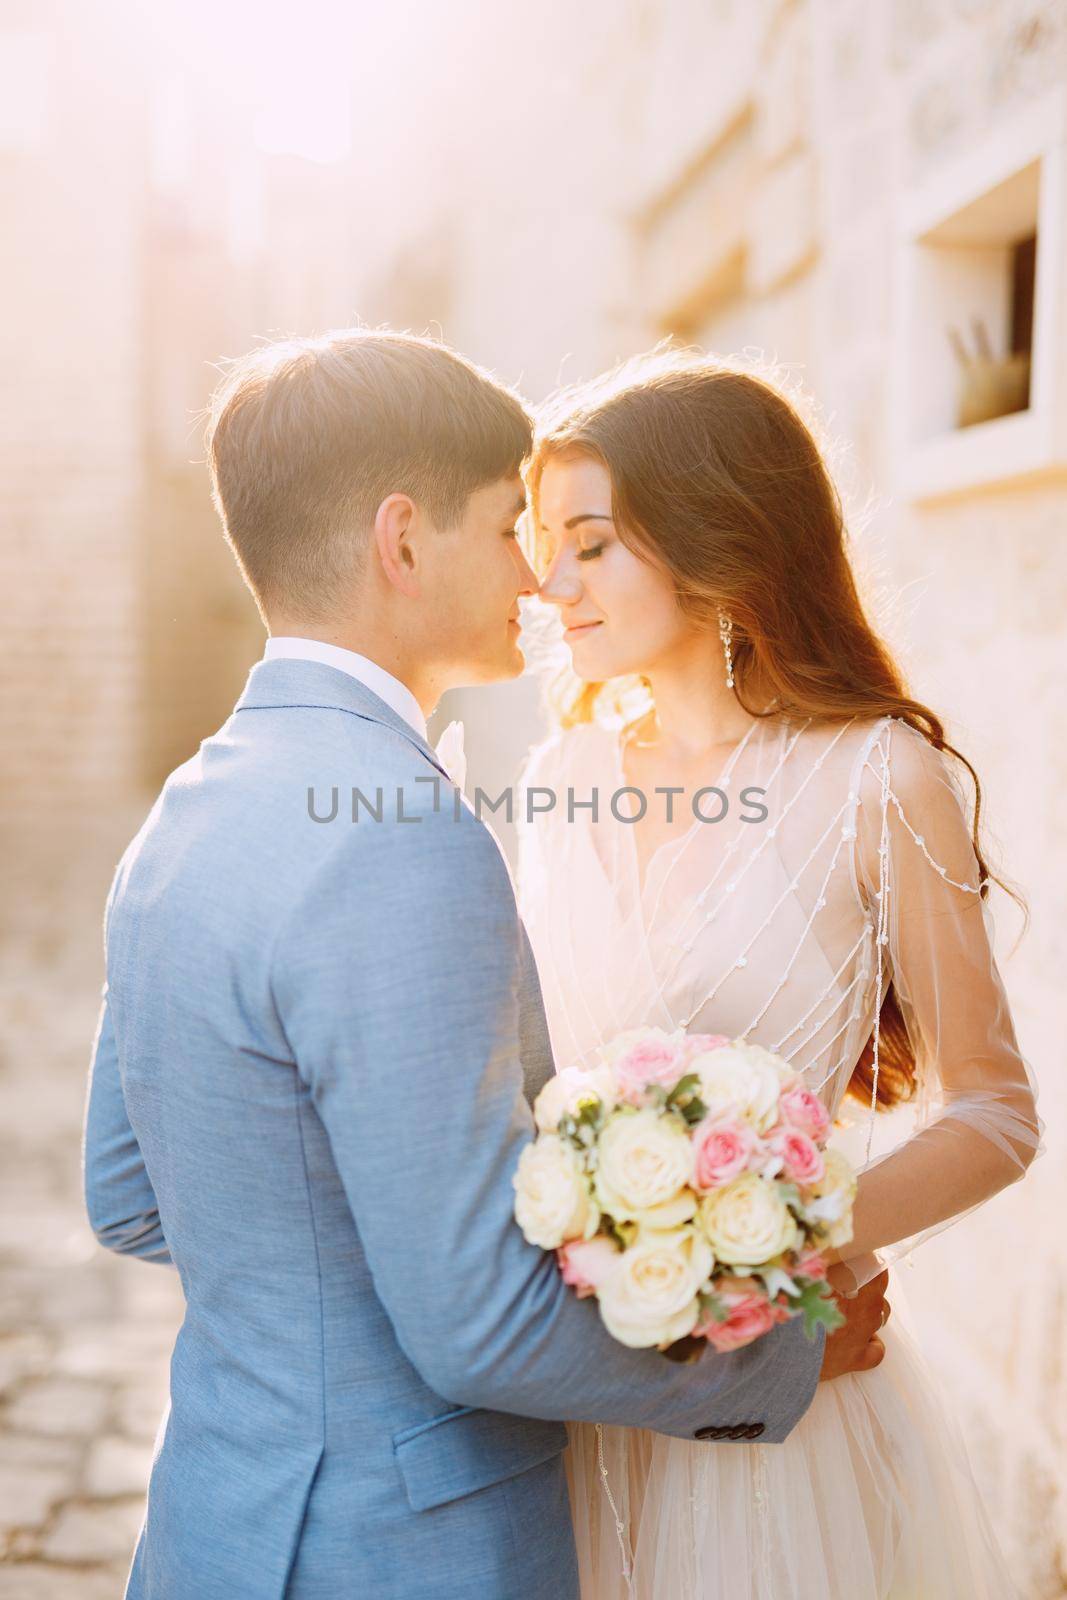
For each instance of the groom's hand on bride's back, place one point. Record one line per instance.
(856, 1347)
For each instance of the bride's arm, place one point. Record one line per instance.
(978, 1125)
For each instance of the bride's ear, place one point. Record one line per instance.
(396, 524)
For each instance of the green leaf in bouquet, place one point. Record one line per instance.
(713, 1306)
(685, 1087)
(590, 1111)
(581, 1131)
(685, 1099)
(623, 1233)
(817, 1305)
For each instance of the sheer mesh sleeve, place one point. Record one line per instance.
(977, 1127)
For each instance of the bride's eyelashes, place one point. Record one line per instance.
(590, 554)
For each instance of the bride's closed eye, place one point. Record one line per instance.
(590, 554)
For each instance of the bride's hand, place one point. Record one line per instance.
(856, 1347)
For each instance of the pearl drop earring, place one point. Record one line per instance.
(726, 628)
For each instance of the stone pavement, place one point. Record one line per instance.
(85, 1336)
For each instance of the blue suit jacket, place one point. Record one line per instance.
(309, 1093)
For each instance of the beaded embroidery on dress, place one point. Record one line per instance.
(842, 861)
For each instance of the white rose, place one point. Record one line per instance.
(743, 1078)
(777, 1064)
(644, 1167)
(832, 1199)
(564, 1093)
(650, 1298)
(747, 1222)
(838, 1175)
(552, 1201)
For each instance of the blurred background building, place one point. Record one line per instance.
(873, 194)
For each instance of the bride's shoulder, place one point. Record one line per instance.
(885, 752)
(892, 738)
(859, 750)
(858, 734)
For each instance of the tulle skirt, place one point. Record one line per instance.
(870, 1498)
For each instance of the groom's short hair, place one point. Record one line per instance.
(306, 438)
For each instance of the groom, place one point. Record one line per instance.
(319, 1039)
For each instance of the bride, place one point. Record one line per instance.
(755, 830)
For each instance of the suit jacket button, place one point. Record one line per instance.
(738, 1431)
(708, 1433)
(754, 1430)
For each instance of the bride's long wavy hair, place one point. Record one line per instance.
(718, 476)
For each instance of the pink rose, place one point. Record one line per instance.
(810, 1264)
(751, 1315)
(801, 1157)
(697, 1044)
(649, 1061)
(805, 1111)
(722, 1150)
(585, 1263)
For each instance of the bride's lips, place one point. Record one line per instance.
(575, 630)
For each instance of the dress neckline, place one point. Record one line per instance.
(679, 843)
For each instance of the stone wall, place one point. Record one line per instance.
(71, 486)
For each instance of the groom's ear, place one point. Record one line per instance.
(396, 527)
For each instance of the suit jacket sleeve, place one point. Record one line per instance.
(395, 977)
(118, 1193)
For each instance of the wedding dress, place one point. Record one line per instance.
(788, 928)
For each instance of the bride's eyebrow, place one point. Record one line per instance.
(583, 516)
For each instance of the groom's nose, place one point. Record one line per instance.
(527, 576)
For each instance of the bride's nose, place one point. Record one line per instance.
(561, 586)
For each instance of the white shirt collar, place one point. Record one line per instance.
(382, 683)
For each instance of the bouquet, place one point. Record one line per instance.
(684, 1180)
